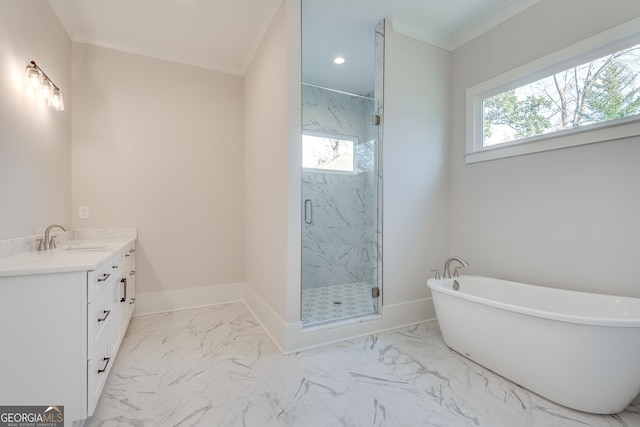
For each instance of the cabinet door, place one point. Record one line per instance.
(116, 292)
(123, 305)
(131, 293)
(43, 341)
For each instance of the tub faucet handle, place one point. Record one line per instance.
(437, 274)
(447, 271)
(455, 271)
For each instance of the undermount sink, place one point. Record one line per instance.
(84, 247)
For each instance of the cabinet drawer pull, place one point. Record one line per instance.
(106, 314)
(132, 250)
(104, 277)
(127, 255)
(104, 368)
(132, 272)
(115, 267)
(132, 301)
(124, 285)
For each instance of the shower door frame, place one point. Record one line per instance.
(379, 123)
(368, 159)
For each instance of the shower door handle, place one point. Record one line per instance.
(308, 211)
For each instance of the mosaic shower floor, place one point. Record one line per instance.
(329, 303)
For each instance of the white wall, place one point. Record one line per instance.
(566, 218)
(35, 142)
(415, 166)
(159, 146)
(415, 182)
(207, 165)
(415, 178)
(272, 170)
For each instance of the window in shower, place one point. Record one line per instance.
(328, 152)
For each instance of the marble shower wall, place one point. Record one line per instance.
(339, 247)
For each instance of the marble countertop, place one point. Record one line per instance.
(76, 251)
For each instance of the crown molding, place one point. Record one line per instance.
(414, 29)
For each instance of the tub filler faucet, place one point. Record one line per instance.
(447, 272)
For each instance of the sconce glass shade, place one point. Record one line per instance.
(33, 80)
(55, 101)
(39, 84)
(47, 89)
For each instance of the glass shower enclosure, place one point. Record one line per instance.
(340, 205)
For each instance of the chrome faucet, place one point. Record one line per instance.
(49, 243)
(447, 272)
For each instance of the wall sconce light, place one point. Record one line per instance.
(39, 84)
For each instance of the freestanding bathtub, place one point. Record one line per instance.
(578, 349)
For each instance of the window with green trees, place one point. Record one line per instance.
(607, 88)
(584, 93)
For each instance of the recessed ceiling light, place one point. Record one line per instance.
(339, 60)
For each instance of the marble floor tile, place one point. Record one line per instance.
(215, 366)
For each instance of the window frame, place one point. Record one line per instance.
(602, 44)
(330, 135)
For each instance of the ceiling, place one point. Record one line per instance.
(223, 35)
(346, 27)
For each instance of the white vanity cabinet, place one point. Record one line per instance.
(126, 291)
(111, 299)
(60, 330)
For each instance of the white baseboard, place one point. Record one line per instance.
(392, 317)
(292, 337)
(272, 323)
(288, 337)
(180, 299)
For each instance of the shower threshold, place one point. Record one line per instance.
(336, 303)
